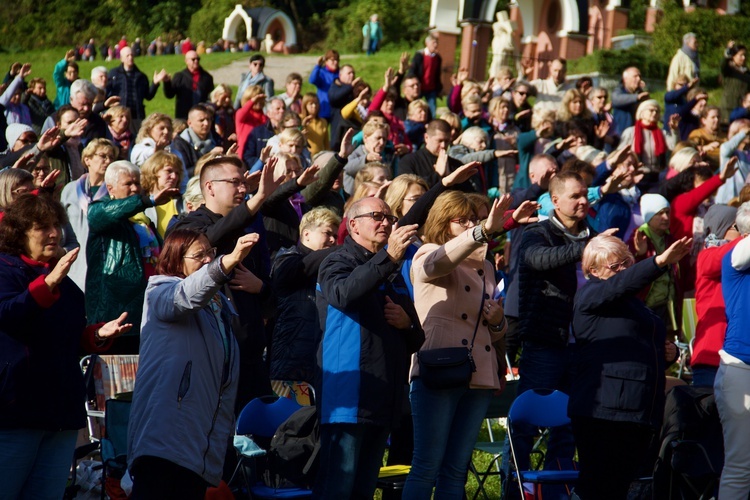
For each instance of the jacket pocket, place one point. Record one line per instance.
(185, 381)
(624, 386)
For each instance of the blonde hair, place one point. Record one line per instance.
(150, 122)
(468, 88)
(291, 135)
(367, 173)
(371, 127)
(317, 217)
(496, 103)
(600, 249)
(250, 92)
(114, 112)
(471, 134)
(221, 88)
(95, 145)
(151, 167)
(540, 116)
(681, 159)
(451, 119)
(471, 99)
(417, 105)
(563, 112)
(396, 193)
(281, 163)
(193, 194)
(449, 205)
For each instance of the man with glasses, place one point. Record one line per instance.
(370, 328)
(226, 216)
(519, 107)
(254, 77)
(548, 262)
(191, 85)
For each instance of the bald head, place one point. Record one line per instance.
(365, 228)
(631, 79)
(542, 168)
(192, 61)
(126, 56)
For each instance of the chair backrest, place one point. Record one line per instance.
(689, 318)
(117, 416)
(540, 407)
(262, 416)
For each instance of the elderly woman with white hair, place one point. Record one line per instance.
(617, 395)
(122, 249)
(650, 143)
(735, 147)
(682, 159)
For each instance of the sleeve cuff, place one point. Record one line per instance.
(42, 294)
(88, 340)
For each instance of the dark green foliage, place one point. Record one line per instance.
(613, 62)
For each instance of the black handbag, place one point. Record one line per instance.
(449, 367)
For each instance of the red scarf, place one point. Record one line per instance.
(640, 129)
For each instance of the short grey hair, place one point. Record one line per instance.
(742, 219)
(688, 36)
(85, 87)
(98, 70)
(117, 168)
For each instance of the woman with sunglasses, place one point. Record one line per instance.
(183, 402)
(617, 395)
(454, 286)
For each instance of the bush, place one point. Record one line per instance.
(613, 62)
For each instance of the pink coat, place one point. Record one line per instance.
(447, 295)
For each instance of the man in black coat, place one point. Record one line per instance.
(131, 85)
(191, 86)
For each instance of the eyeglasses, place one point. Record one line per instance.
(619, 266)
(378, 217)
(201, 256)
(234, 182)
(466, 221)
(104, 156)
(521, 93)
(194, 59)
(258, 63)
(43, 170)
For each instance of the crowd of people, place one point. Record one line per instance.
(331, 243)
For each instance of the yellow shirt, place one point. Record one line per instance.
(164, 214)
(316, 132)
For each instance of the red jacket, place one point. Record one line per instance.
(398, 131)
(684, 208)
(709, 303)
(245, 120)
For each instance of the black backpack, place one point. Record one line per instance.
(293, 453)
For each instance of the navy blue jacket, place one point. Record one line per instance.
(256, 141)
(117, 85)
(619, 368)
(41, 385)
(364, 360)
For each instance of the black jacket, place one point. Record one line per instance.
(619, 350)
(547, 282)
(339, 95)
(181, 86)
(297, 333)
(422, 163)
(117, 85)
(256, 141)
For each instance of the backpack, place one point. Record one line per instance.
(293, 453)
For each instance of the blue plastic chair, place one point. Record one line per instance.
(256, 426)
(541, 408)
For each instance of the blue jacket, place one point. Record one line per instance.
(619, 366)
(364, 361)
(624, 105)
(117, 85)
(41, 333)
(183, 402)
(322, 78)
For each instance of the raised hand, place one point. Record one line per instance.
(23, 160)
(399, 241)
(601, 129)
(675, 252)
(441, 165)
(461, 174)
(497, 217)
(115, 328)
(403, 62)
(60, 271)
(25, 70)
(232, 149)
(160, 76)
(76, 128)
(729, 168)
(674, 121)
(243, 246)
(50, 139)
(524, 214)
(380, 193)
(270, 180)
(166, 194)
(265, 154)
(49, 180)
(346, 144)
(640, 242)
(308, 176)
(252, 180)
(112, 101)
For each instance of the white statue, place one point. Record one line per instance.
(268, 43)
(503, 49)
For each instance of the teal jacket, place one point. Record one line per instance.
(62, 84)
(115, 279)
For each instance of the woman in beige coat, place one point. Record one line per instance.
(451, 276)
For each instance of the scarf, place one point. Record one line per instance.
(200, 145)
(656, 134)
(122, 140)
(693, 55)
(83, 192)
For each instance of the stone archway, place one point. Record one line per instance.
(233, 22)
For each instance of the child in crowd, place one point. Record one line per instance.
(416, 122)
(473, 147)
(315, 127)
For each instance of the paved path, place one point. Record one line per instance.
(276, 67)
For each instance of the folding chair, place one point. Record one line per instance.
(498, 409)
(256, 426)
(540, 408)
(115, 441)
(689, 321)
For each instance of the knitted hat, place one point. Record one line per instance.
(652, 204)
(14, 131)
(718, 220)
(590, 154)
